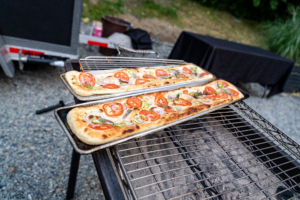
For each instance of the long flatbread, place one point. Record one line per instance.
(112, 121)
(91, 83)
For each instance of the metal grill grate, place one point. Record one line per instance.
(232, 153)
(102, 63)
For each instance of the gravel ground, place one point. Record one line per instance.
(35, 154)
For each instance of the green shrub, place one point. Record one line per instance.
(258, 10)
(283, 36)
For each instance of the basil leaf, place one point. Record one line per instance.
(177, 97)
(226, 91)
(88, 87)
(220, 85)
(120, 81)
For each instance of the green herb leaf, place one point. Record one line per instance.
(220, 85)
(130, 72)
(196, 102)
(120, 81)
(89, 87)
(194, 69)
(169, 100)
(177, 97)
(121, 124)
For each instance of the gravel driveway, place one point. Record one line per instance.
(36, 155)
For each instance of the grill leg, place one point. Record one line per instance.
(73, 174)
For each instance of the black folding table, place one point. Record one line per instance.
(234, 62)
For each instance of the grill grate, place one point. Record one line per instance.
(102, 63)
(232, 153)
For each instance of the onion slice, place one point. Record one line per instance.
(188, 96)
(93, 114)
(128, 123)
(160, 111)
(148, 99)
(206, 101)
(105, 81)
(171, 96)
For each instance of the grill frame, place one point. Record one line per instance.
(257, 120)
(109, 160)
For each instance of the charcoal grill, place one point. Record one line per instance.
(231, 153)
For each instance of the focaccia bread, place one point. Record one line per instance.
(112, 121)
(87, 84)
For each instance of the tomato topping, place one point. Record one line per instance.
(148, 76)
(182, 76)
(117, 109)
(101, 127)
(209, 90)
(160, 72)
(111, 86)
(233, 92)
(203, 74)
(187, 93)
(222, 83)
(183, 102)
(87, 79)
(222, 95)
(153, 116)
(186, 70)
(134, 102)
(140, 81)
(160, 100)
(122, 75)
(170, 110)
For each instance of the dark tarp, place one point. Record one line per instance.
(232, 61)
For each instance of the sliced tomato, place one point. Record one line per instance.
(186, 70)
(222, 83)
(170, 110)
(160, 100)
(134, 102)
(203, 74)
(140, 81)
(209, 90)
(183, 102)
(101, 127)
(117, 109)
(161, 72)
(222, 95)
(122, 75)
(111, 86)
(153, 116)
(87, 79)
(233, 92)
(149, 76)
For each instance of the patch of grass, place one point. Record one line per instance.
(150, 9)
(103, 7)
(283, 36)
